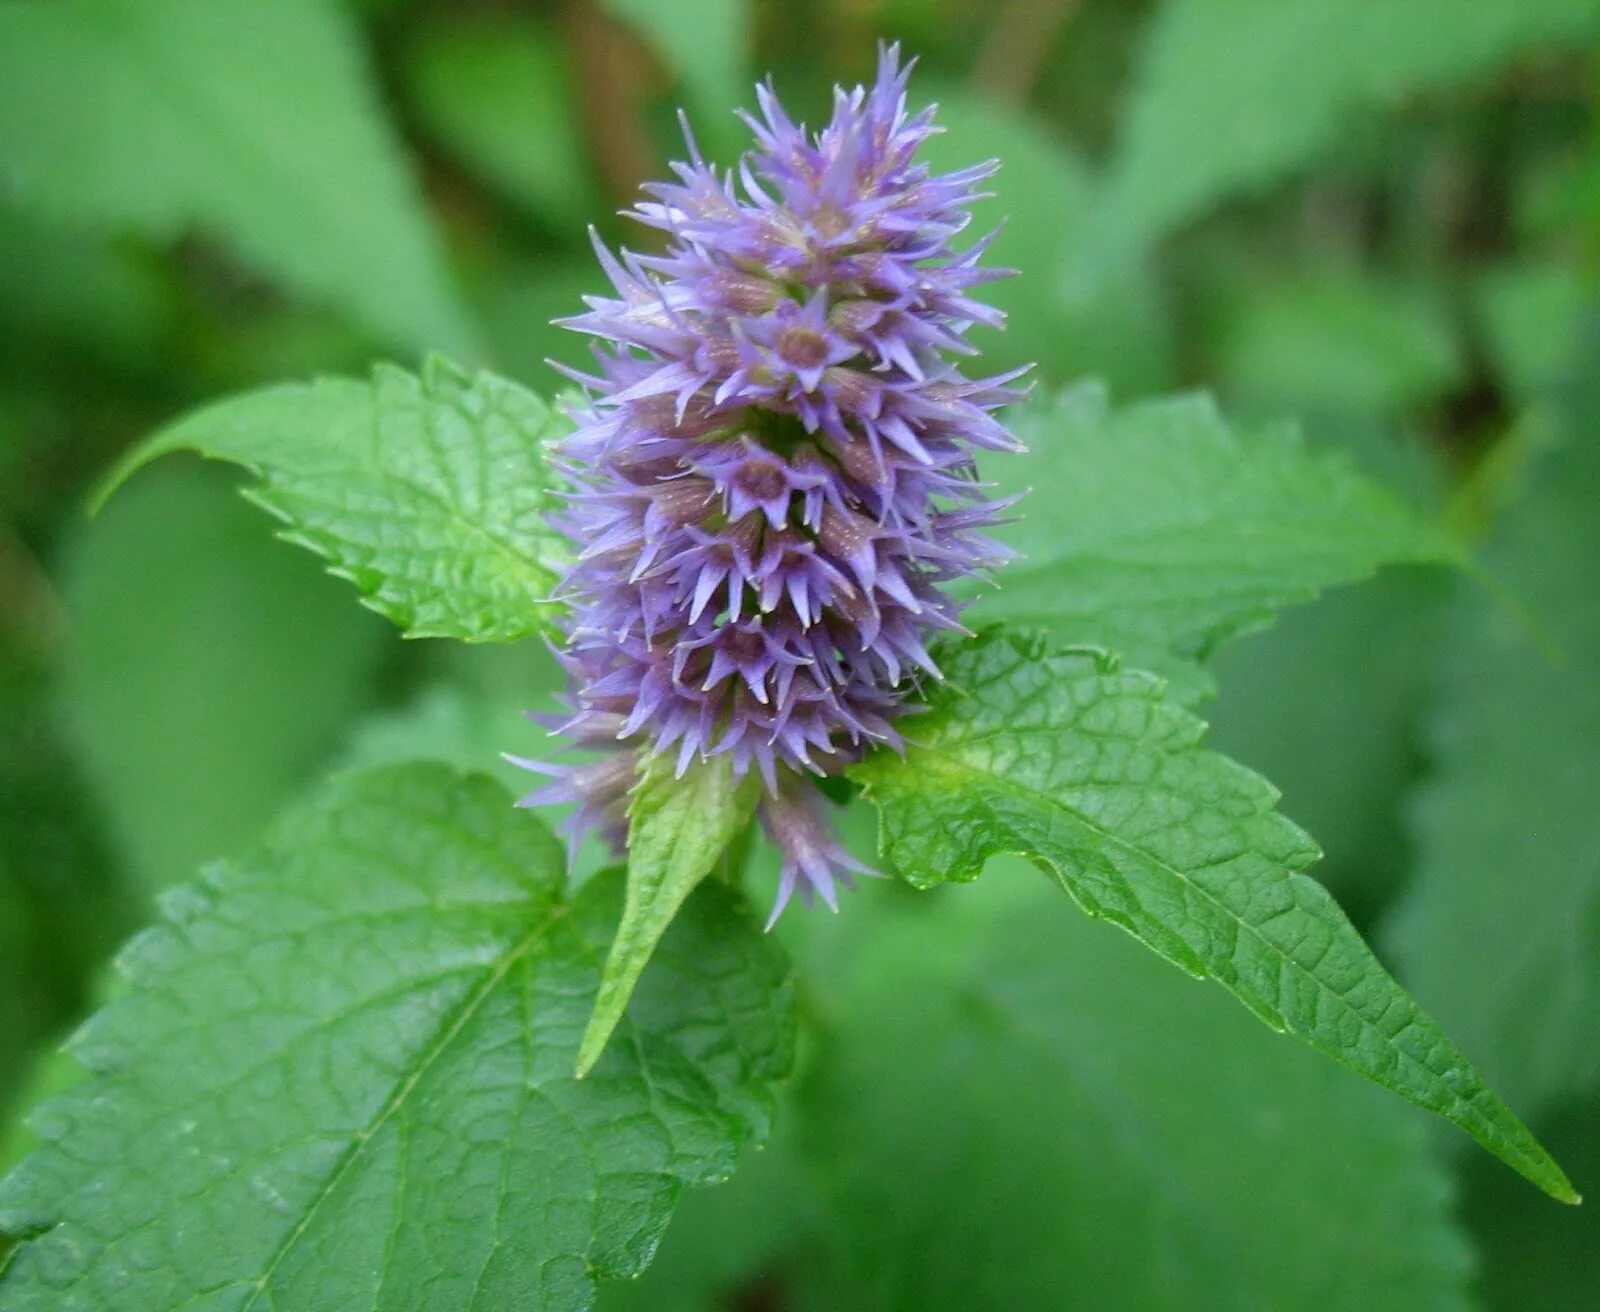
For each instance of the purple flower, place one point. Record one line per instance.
(773, 469)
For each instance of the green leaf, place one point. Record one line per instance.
(430, 494)
(209, 670)
(1325, 679)
(724, 1240)
(1159, 531)
(449, 724)
(1500, 930)
(678, 828)
(500, 94)
(256, 124)
(1231, 95)
(1101, 781)
(1529, 1259)
(1014, 1110)
(51, 1070)
(341, 1076)
(470, 712)
(62, 906)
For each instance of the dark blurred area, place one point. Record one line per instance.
(1381, 220)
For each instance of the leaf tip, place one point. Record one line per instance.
(1544, 1172)
(593, 1044)
(1560, 1188)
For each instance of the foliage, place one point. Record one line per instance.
(1169, 532)
(1026, 1150)
(356, 1047)
(1336, 262)
(196, 632)
(678, 829)
(1087, 771)
(1234, 93)
(254, 123)
(430, 493)
(1514, 733)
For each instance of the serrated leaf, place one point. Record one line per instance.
(341, 1076)
(1328, 711)
(1011, 1109)
(678, 828)
(725, 1240)
(1500, 929)
(1159, 531)
(63, 906)
(209, 670)
(1234, 94)
(1094, 775)
(253, 123)
(431, 494)
(49, 1071)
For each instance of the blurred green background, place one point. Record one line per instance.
(1381, 217)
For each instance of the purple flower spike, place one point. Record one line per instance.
(773, 467)
(813, 860)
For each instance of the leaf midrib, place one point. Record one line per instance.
(1028, 793)
(450, 1027)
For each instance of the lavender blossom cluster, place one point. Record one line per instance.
(773, 469)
